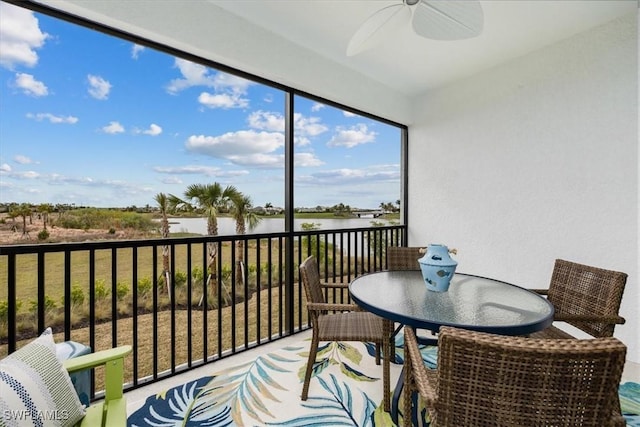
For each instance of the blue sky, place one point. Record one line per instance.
(90, 119)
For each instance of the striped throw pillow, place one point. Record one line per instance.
(35, 389)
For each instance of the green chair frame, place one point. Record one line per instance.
(112, 411)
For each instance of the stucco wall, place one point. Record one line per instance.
(536, 160)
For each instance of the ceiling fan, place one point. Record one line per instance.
(432, 19)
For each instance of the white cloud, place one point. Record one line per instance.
(195, 170)
(70, 187)
(52, 118)
(266, 120)
(246, 147)
(369, 176)
(224, 81)
(228, 91)
(234, 143)
(307, 160)
(135, 50)
(192, 75)
(301, 141)
(171, 180)
(274, 122)
(317, 107)
(198, 75)
(308, 126)
(31, 86)
(260, 160)
(61, 179)
(113, 128)
(153, 130)
(349, 114)
(20, 36)
(20, 175)
(223, 100)
(356, 135)
(99, 88)
(23, 160)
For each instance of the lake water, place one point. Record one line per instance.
(227, 226)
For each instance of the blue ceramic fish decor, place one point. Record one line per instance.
(438, 267)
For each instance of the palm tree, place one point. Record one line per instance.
(241, 208)
(45, 209)
(24, 210)
(208, 199)
(165, 207)
(13, 214)
(61, 209)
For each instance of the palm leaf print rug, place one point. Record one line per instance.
(345, 390)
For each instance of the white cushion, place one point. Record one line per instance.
(35, 389)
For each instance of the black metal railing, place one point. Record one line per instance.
(180, 302)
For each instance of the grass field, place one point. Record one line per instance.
(178, 343)
(54, 272)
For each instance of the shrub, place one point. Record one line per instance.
(145, 285)
(136, 221)
(4, 310)
(106, 219)
(43, 235)
(49, 304)
(122, 289)
(180, 279)
(77, 296)
(197, 275)
(101, 290)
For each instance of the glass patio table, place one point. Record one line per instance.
(472, 302)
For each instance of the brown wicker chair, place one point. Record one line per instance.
(403, 258)
(341, 322)
(494, 380)
(585, 297)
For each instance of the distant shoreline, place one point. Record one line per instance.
(11, 231)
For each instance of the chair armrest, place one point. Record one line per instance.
(336, 285)
(323, 306)
(98, 358)
(113, 360)
(616, 320)
(423, 379)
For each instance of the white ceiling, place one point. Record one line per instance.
(412, 64)
(302, 43)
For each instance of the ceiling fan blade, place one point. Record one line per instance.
(448, 20)
(372, 31)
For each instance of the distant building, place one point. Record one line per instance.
(271, 210)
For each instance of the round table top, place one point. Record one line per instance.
(471, 302)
